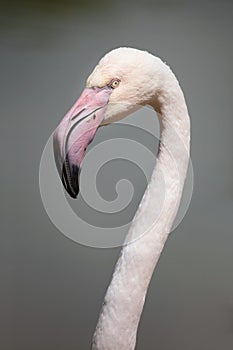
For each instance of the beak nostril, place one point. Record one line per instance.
(77, 114)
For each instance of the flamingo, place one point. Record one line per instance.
(123, 80)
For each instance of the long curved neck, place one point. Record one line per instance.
(124, 300)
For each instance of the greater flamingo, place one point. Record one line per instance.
(125, 78)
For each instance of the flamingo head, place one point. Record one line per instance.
(122, 81)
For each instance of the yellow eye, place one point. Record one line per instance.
(114, 83)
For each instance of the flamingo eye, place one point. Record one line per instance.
(114, 83)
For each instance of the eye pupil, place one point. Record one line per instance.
(114, 84)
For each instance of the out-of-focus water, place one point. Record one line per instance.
(52, 288)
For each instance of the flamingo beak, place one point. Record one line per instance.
(74, 133)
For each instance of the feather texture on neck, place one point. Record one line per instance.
(124, 300)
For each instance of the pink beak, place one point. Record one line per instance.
(74, 133)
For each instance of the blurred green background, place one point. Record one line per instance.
(51, 288)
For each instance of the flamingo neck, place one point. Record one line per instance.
(124, 300)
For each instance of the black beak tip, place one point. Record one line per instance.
(70, 180)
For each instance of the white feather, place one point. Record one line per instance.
(145, 79)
